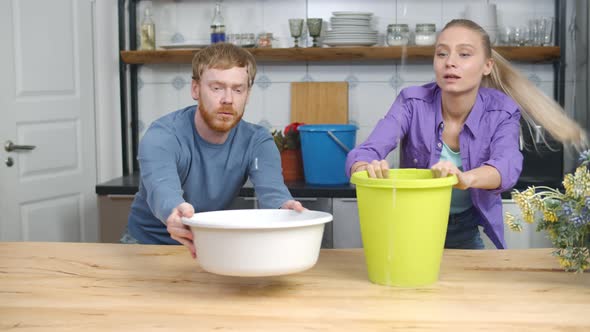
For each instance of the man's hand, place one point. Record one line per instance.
(179, 231)
(445, 167)
(293, 205)
(376, 168)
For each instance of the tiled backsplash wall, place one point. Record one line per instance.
(373, 86)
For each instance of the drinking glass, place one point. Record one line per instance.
(521, 35)
(314, 25)
(546, 34)
(505, 33)
(296, 27)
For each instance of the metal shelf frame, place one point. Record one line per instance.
(128, 73)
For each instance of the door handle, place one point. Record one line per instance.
(539, 135)
(306, 199)
(10, 146)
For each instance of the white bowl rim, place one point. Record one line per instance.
(251, 219)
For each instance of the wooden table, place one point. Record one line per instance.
(87, 286)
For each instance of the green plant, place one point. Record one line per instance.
(288, 139)
(564, 215)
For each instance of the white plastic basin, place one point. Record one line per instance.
(253, 243)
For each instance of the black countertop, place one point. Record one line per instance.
(128, 185)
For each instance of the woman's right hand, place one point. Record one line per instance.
(179, 231)
(376, 168)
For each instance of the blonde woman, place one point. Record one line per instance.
(466, 123)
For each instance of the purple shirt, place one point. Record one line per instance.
(490, 136)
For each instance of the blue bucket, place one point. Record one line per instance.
(324, 148)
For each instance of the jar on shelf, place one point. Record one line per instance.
(425, 34)
(233, 38)
(247, 40)
(398, 34)
(264, 40)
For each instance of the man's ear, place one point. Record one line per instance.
(195, 89)
(248, 95)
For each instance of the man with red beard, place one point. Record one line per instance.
(196, 159)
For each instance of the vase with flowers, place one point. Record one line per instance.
(564, 215)
(289, 144)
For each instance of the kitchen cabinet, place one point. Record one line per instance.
(527, 238)
(342, 232)
(113, 211)
(347, 232)
(321, 204)
(243, 203)
(115, 198)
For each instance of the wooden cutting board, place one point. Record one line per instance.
(319, 102)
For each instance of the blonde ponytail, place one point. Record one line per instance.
(536, 107)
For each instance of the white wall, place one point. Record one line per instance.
(107, 107)
(373, 85)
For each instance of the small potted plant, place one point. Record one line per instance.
(289, 145)
(564, 215)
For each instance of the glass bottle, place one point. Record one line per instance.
(217, 26)
(148, 31)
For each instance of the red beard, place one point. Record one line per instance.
(218, 121)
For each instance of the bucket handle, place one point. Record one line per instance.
(337, 141)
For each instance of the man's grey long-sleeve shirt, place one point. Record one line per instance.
(177, 166)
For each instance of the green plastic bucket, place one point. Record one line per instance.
(403, 225)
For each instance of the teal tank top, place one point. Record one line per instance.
(460, 199)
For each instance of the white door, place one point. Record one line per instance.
(47, 101)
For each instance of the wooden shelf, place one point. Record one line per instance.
(411, 53)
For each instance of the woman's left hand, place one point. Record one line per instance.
(444, 168)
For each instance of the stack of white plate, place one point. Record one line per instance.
(351, 29)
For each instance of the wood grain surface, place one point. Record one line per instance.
(113, 287)
(411, 54)
(319, 102)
